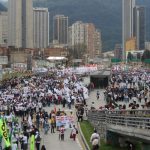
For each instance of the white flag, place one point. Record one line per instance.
(30, 120)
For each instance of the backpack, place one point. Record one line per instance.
(38, 139)
(76, 131)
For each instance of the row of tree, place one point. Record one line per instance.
(140, 57)
(79, 50)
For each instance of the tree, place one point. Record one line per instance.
(79, 50)
(146, 55)
(138, 56)
(130, 56)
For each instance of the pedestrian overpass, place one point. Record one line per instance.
(119, 127)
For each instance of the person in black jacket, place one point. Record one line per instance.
(43, 147)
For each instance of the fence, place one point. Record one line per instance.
(135, 121)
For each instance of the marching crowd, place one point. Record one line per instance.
(21, 95)
(128, 90)
(22, 101)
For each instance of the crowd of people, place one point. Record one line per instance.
(25, 94)
(22, 101)
(128, 90)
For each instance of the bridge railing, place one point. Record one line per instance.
(129, 118)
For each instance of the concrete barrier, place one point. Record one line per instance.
(130, 125)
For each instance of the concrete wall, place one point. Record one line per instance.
(120, 132)
(18, 57)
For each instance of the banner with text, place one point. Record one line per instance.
(66, 121)
(3, 132)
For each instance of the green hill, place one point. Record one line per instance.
(105, 14)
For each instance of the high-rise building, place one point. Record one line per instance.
(118, 51)
(131, 44)
(60, 29)
(77, 34)
(90, 38)
(27, 24)
(98, 43)
(3, 28)
(127, 21)
(20, 23)
(41, 27)
(15, 23)
(139, 27)
(147, 45)
(86, 37)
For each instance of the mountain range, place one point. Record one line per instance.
(2, 7)
(105, 14)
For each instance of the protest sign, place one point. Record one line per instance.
(66, 121)
(3, 132)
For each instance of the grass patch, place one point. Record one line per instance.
(88, 129)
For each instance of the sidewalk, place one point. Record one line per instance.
(92, 98)
(51, 140)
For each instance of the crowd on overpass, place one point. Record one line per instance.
(128, 89)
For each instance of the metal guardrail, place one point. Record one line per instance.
(139, 119)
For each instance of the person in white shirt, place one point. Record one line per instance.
(95, 139)
(38, 140)
(14, 146)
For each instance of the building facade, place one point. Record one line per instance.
(55, 52)
(93, 41)
(15, 23)
(133, 25)
(131, 44)
(27, 24)
(86, 37)
(20, 23)
(90, 39)
(127, 21)
(77, 34)
(41, 27)
(118, 51)
(77, 39)
(147, 46)
(98, 43)
(139, 26)
(3, 28)
(60, 29)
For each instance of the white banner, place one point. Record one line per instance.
(66, 121)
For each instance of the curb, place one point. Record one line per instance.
(82, 137)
